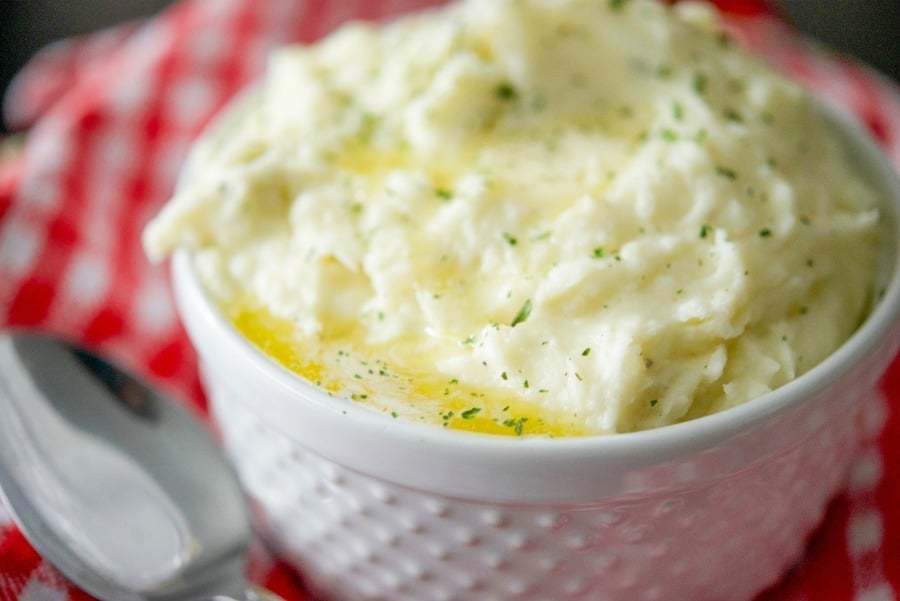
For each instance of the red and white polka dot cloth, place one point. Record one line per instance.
(109, 120)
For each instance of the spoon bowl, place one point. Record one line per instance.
(122, 490)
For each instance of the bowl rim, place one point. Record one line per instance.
(877, 341)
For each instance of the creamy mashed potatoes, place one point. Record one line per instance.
(531, 216)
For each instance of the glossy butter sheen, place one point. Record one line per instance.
(559, 217)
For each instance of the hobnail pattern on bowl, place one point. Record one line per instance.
(361, 538)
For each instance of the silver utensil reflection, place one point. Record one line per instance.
(124, 491)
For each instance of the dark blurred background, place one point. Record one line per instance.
(868, 29)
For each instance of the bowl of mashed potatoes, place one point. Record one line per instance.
(536, 300)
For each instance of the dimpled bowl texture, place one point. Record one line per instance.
(369, 507)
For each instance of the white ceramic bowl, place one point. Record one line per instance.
(369, 507)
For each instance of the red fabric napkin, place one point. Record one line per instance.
(110, 118)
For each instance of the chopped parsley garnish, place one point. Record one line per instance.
(506, 91)
(726, 172)
(516, 423)
(677, 111)
(765, 233)
(617, 4)
(700, 83)
(470, 413)
(664, 71)
(704, 231)
(586, 352)
(653, 402)
(732, 115)
(443, 193)
(598, 252)
(510, 239)
(522, 315)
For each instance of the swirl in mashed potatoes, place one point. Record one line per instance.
(531, 216)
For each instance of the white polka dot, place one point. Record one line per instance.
(864, 533)
(49, 144)
(41, 191)
(190, 99)
(169, 159)
(115, 150)
(153, 309)
(36, 590)
(149, 43)
(87, 280)
(874, 414)
(207, 45)
(866, 471)
(20, 243)
(132, 98)
(879, 592)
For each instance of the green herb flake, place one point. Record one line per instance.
(506, 91)
(668, 135)
(516, 423)
(522, 315)
(732, 115)
(586, 352)
(470, 413)
(443, 193)
(704, 231)
(598, 252)
(394, 414)
(664, 71)
(617, 4)
(504, 376)
(677, 111)
(510, 239)
(726, 172)
(653, 402)
(700, 83)
(765, 233)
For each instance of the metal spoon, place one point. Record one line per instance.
(119, 488)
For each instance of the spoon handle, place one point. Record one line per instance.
(253, 593)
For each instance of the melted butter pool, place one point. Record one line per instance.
(411, 391)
